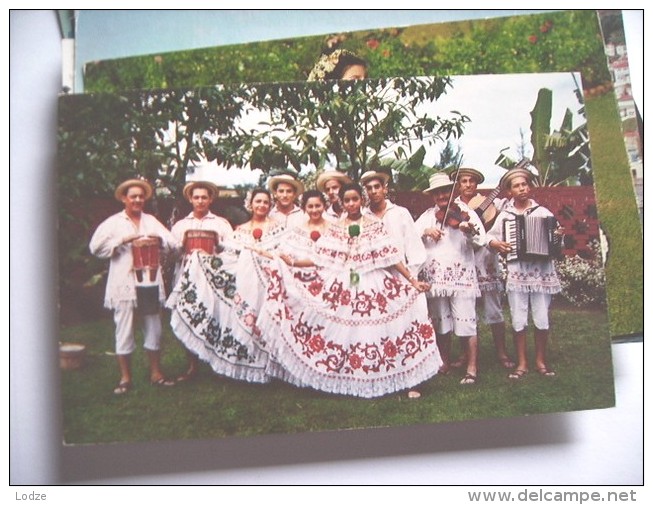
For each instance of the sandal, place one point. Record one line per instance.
(507, 363)
(517, 374)
(545, 371)
(122, 388)
(186, 376)
(468, 379)
(163, 382)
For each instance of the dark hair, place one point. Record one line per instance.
(349, 187)
(312, 193)
(345, 61)
(256, 191)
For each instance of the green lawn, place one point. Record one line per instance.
(214, 407)
(619, 217)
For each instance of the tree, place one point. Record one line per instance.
(562, 156)
(355, 123)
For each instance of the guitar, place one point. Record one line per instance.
(485, 208)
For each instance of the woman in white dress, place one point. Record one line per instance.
(343, 313)
(218, 297)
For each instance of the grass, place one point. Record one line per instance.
(619, 217)
(215, 407)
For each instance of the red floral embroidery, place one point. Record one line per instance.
(390, 349)
(315, 288)
(355, 361)
(362, 304)
(345, 297)
(316, 343)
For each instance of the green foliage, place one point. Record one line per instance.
(551, 42)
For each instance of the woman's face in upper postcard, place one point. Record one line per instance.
(354, 73)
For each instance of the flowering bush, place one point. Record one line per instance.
(583, 280)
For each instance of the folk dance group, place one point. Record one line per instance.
(332, 295)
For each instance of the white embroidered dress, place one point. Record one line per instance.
(400, 225)
(218, 298)
(352, 325)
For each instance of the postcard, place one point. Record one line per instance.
(324, 325)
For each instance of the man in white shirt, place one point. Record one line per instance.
(488, 268)
(201, 195)
(113, 240)
(396, 219)
(329, 183)
(285, 189)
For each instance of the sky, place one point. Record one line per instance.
(107, 34)
(498, 106)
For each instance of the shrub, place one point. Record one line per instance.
(583, 280)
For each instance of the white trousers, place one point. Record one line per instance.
(492, 309)
(539, 307)
(123, 317)
(453, 313)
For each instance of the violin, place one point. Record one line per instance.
(453, 216)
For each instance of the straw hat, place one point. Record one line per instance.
(512, 173)
(373, 174)
(325, 177)
(209, 186)
(472, 172)
(274, 181)
(437, 181)
(122, 188)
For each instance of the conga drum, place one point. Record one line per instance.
(145, 253)
(203, 240)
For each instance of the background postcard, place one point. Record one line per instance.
(591, 42)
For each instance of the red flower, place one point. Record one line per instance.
(316, 343)
(426, 331)
(532, 39)
(373, 44)
(386, 53)
(257, 233)
(315, 235)
(315, 288)
(355, 361)
(390, 349)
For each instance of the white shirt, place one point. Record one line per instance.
(210, 222)
(450, 267)
(106, 243)
(400, 226)
(294, 218)
(489, 272)
(537, 276)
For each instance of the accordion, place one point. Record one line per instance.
(532, 238)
